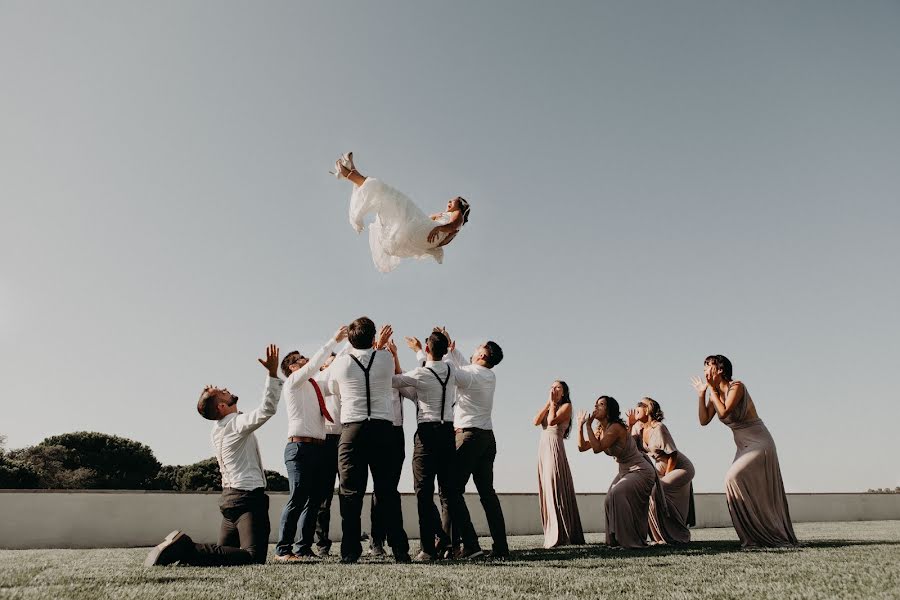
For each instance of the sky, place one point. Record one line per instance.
(651, 182)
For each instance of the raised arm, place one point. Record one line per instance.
(705, 410)
(542, 414)
(247, 423)
(311, 368)
(732, 399)
(584, 421)
(610, 436)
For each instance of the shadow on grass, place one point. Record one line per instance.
(593, 551)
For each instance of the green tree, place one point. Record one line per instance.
(90, 460)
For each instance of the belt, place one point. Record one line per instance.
(305, 440)
(466, 429)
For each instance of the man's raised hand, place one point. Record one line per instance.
(271, 361)
(386, 332)
(341, 334)
(413, 343)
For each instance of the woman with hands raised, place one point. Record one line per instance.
(628, 498)
(753, 485)
(675, 472)
(556, 490)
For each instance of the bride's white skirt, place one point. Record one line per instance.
(400, 229)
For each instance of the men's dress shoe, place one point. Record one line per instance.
(423, 556)
(471, 553)
(376, 549)
(286, 558)
(349, 560)
(175, 547)
(402, 559)
(452, 552)
(499, 555)
(323, 551)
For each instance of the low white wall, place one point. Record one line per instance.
(102, 519)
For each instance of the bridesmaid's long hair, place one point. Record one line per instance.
(613, 412)
(566, 400)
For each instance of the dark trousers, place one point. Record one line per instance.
(475, 453)
(434, 455)
(305, 468)
(363, 448)
(244, 535)
(396, 448)
(330, 471)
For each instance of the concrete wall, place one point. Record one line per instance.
(100, 519)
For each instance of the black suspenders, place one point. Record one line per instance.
(443, 389)
(368, 390)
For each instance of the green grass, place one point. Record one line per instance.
(836, 560)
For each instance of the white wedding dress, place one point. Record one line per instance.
(400, 229)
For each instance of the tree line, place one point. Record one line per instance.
(88, 460)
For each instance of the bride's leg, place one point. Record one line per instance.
(352, 175)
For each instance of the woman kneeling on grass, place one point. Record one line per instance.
(628, 498)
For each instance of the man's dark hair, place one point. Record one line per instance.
(289, 359)
(361, 333)
(207, 405)
(720, 362)
(438, 344)
(495, 354)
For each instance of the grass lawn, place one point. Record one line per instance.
(836, 560)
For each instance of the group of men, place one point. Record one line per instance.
(345, 418)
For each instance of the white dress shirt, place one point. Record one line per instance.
(429, 390)
(349, 380)
(475, 387)
(235, 444)
(299, 396)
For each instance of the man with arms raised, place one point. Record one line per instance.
(305, 455)
(363, 380)
(476, 447)
(434, 453)
(244, 536)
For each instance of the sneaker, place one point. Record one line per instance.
(174, 548)
(286, 558)
(471, 553)
(376, 549)
(423, 556)
(323, 551)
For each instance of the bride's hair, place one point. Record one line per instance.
(464, 206)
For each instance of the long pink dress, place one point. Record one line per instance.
(670, 526)
(753, 486)
(628, 498)
(559, 508)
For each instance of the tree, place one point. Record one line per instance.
(15, 475)
(90, 460)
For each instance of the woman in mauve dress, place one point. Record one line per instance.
(753, 486)
(628, 498)
(559, 508)
(675, 474)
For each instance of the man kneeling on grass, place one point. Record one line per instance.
(244, 536)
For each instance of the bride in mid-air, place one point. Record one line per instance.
(400, 230)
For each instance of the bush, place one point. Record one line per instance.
(204, 476)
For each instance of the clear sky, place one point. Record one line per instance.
(650, 182)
